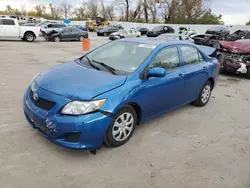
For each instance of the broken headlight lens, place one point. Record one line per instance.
(82, 107)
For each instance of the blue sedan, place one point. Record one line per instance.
(102, 96)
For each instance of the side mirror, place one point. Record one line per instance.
(156, 72)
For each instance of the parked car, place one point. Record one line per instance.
(160, 30)
(102, 96)
(79, 27)
(187, 31)
(169, 37)
(239, 34)
(49, 27)
(9, 28)
(220, 32)
(66, 34)
(234, 57)
(124, 34)
(206, 40)
(143, 30)
(107, 30)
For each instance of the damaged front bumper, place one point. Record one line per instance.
(77, 132)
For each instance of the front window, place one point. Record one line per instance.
(167, 59)
(122, 56)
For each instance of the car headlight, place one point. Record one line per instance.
(82, 107)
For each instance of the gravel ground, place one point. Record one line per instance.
(188, 147)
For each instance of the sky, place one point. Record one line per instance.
(235, 12)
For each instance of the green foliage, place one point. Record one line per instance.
(248, 23)
(209, 18)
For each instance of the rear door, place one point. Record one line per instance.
(76, 33)
(10, 28)
(195, 71)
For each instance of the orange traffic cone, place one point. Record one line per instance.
(85, 44)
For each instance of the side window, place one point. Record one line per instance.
(8, 22)
(191, 55)
(167, 59)
(1, 21)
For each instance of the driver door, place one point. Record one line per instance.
(166, 93)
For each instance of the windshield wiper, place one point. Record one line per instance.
(90, 63)
(109, 68)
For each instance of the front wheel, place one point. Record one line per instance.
(122, 127)
(204, 95)
(81, 38)
(57, 39)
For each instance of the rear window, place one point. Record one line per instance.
(8, 22)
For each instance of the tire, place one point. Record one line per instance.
(205, 95)
(248, 73)
(81, 38)
(115, 135)
(29, 36)
(56, 39)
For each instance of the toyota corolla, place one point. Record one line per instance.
(102, 96)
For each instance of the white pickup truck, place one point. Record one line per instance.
(10, 28)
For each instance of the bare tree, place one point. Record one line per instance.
(66, 10)
(81, 11)
(103, 10)
(126, 5)
(110, 11)
(39, 10)
(9, 9)
(152, 7)
(54, 11)
(23, 10)
(92, 6)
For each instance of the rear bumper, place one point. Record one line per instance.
(77, 132)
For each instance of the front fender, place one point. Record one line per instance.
(119, 97)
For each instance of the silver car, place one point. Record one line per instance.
(171, 37)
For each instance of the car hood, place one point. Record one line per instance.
(235, 47)
(77, 82)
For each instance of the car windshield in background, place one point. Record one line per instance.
(122, 56)
(157, 29)
(169, 37)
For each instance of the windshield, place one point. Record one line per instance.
(122, 56)
(157, 28)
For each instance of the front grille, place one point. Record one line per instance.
(42, 103)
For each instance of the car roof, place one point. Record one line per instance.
(155, 42)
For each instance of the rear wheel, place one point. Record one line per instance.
(30, 37)
(204, 95)
(122, 127)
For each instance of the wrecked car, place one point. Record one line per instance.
(206, 40)
(234, 57)
(220, 32)
(239, 34)
(160, 30)
(66, 34)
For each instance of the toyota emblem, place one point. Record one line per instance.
(35, 96)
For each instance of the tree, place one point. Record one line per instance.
(210, 18)
(145, 9)
(23, 10)
(80, 12)
(39, 9)
(152, 6)
(248, 23)
(66, 10)
(92, 7)
(110, 12)
(124, 4)
(54, 12)
(103, 10)
(9, 9)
